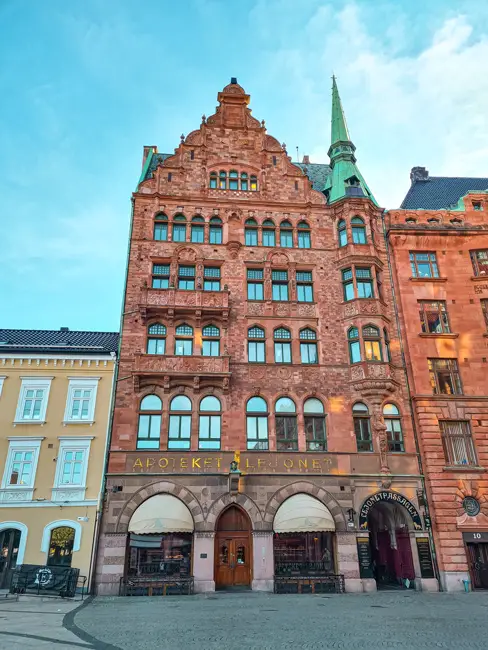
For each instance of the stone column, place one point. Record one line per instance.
(110, 563)
(203, 561)
(347, 561)
(263, 561)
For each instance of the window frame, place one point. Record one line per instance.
(256, 416)
(257, 340)
(23, 444)
(342, 233)
(279, 284)
(285, 231)
(484, 311)
(390, 420)
(197, 225)
(432, 263)
(211, 279)
(215, 227)
(269, 232)
(210, 338)
(179, 414)
(354, 343)
(156, 413)
(307, 342)
(161, 277)
(441, 311)
(362, 422)
(455, 376)
(66, 445)
(75, 384)
(184, 338)
(477, 271)
(156, 337)
(314, 416)
(305, 284)
(371, 339)
(358, 231)
(251, 232)
(304, 233)
(160, 221)
(179, 224)
(186, 278)
(33, 383)
(289, 420)
(254, 282)
(210, 415)
(449, 450)
(283, 343)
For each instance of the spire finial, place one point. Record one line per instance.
(339, 132)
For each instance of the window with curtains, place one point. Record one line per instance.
(458, 444)
(479, 260)
(156, 339)
(354, 345)
(183, 340)
(308, 346)
(149, 429)
(211, 278)
(424, 265)
(279, 285)
(251, 232)
(198, 230)
(161, 227)
(179, 228)
(342, 233)
(433, 317)
(255, 284)
(286, 425)
(215, 230)
(393, 424)
(186, 277)
(444, 376)
(256, 351)
(269, 236)
(304, 240)
(362, 427)
(286, 234)
(304, 286)
(282, 345)
(179, 431)
(358, 231)
(257, 424)
(314, 417)
(372, 343)
(160, 276)
(209, 423)
(210, 341)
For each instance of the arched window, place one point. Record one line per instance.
(393, 427)
(210, 341)
(251, 232)
(286, 425)
(215, 232)
(254, 183)
(362, 427)
(222, 180)
(156, 340)
(269, 238)
(304, 240)
(233, 180)
(358, 231)
(179, 432)
(244, 182)
(149, 428)
(387, 344)
(198, 230)
(342, 231)
(282, 345)
(184, 340)
(286, 234)
(257, 424)
(256, 352)
(213, 180)
(372, 343)
(61, 546)
(308, 346)
(354, 345)
(160, 227)
(179, 228)
(209, 423)
(314, 415)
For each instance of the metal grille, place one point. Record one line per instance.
(280, 275)
(371, 331)
(363, 273)
(304, 276)
(255, 333)
(255, 274)
(211, 330)
(157, 328)
(211, 272)
(308, 335)
(186, 271)
(347, 274)
(160, 269)
(282, 333)
(184, 330)
(353, 333)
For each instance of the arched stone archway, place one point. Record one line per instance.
(242, 500)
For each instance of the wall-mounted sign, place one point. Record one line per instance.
(476, 538)
(479, 288)
(364, 558)
(389, 497)
(425, 557)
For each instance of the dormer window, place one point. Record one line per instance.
(411, 221)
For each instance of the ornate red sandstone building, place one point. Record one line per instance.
(439, 247)
(262, 434)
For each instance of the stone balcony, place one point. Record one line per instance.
(373, 376)
(178, 302)
(175, 370)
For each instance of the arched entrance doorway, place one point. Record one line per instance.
(233, 549)
(9, 549)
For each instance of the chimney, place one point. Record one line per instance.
(64, 329)
(306, 160)
(233, 81)
(147, 151)
(419, 174)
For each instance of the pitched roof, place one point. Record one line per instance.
(156, 159)
(316, 172)
(58, 341)
(440, 192)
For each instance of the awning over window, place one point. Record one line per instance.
(302, 513)
(162, 513)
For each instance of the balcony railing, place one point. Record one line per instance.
(149, 364)
(180, 301)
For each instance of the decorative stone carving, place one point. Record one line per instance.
(278, 258)
(257, 372)
(357, 372)
(281, 309)
(284, 373)
(234, 247)
(186, 255)
(368, 307)
(255, 309)
(306, 310)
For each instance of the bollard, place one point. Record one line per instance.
(466, 585)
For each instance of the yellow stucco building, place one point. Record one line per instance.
(55, 401)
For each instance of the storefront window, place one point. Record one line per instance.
(166, 556)
(303, 554)
(61, 546)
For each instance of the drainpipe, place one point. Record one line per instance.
(410, 402)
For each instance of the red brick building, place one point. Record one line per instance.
(261, 434)
(439, 252)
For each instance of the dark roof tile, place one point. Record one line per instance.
(440, 192)
(58, 341)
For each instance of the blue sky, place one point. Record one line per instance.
(84, 85)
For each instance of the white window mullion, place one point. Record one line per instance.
(81, 401)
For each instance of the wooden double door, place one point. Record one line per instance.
(233, 550)
(478, 564)
(9, 548)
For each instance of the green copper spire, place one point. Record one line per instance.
(345, 178)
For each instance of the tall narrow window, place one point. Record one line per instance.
(279, 285)
(269, 238)
(458, 443)
(233, 180)
(211, 278)
(186, 277)
(160, 227)
(213, 180)
(210, 341)
(354, 345)
(393, 424)
(362, 427)
(156, 340)
(424, 265)
(308, 346)
(179, 432)
(198, 230)
(286, 234)
(444, 376)
(255, 284)
(215, 231)
(342, 233)
(364, 282)
(315, 435)
(209, 423)
(433, 317)
(179, 228)
(304, 240)
(348, 284)
(358, 231)
(223, 180)
(251, 232)
(184, 340)
(286, 425)
(480, 262)
(149, 428)
(372, 343)
(304, 286)
(484, 309)
(387, 344)
(244, 182)
(257, 424)
(256, 352)
(20, 471)
(160, 276)
(282, 345)
(254, 183)
(61, 546)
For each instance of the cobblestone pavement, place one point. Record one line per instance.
(266, 621)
